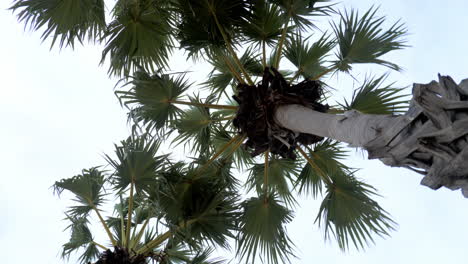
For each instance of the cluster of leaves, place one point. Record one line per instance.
(198, 209)
(178, 210)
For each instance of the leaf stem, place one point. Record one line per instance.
(129, 215)
(99, 245)
(324, 177)
(265, 175)
(106, 227)
(233, 71)
(281, 42)
(214, 106)
(228, 45)
(298, 73)
(140, 233)
(264, 54)
(161, 238)
(226, 118)
(323, 73)
(217, 154)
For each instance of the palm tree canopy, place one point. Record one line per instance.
(177, 211)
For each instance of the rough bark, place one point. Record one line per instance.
(430, 139)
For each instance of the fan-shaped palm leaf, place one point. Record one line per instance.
(204, 201)
(325, 158)
(349, 213)
(372, 98)
(195, 125)
(225, 70)
(151, 96)
(308, 59)
(66, 20)
(264, 26)
(138, 37)
(80, 237)
(137, 164)
(87, 188)
(262, 230)
(205, 24)
(281, 174)
(362, 39)
(300, 11)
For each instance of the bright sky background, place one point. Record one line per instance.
(59, 115)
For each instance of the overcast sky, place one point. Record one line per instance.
(59, 115)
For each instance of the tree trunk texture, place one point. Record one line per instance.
(430, 138)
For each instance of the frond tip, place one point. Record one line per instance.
(87, 187)
(348, 212)
(362, 39)
(262, 231)
(373, 98)
(66, 20)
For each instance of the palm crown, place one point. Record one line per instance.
(177, 211)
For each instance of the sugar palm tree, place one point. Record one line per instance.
(275, 124)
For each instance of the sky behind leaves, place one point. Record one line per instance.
(59, 115)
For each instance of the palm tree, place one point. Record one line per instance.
(164, 211)
(272, 125)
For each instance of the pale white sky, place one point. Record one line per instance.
(59, 114)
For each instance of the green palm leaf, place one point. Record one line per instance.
(300, 11)
(87, 188)
(372, 98)
(308, 59)
(281, 174)
(66, 20)
(262, 231)
(326, 156)
(151, 96)
(80, 237)
(208, 202)
(363, 40)
(223, 66)
(138, 37)
(198, 31)
(240, 156)
(349, 213)
(195, 126)
(136, 163)
(265, 24)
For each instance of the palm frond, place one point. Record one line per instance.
(301, 11)
(309, 60)
(140, 36)
(151, 96)
(240, 156)
(195, 125)
(80, 237)
(264, 25)
(65, 20)
(205, 201)
(262, 232)
(326, 156)
(198, 31)
(87, 188)
(281, 174)
(363, 40)
(350, 214)
(226, 72)
(372, 98)
(136, 163)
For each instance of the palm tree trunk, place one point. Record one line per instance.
(352, 127)
(431, 138)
